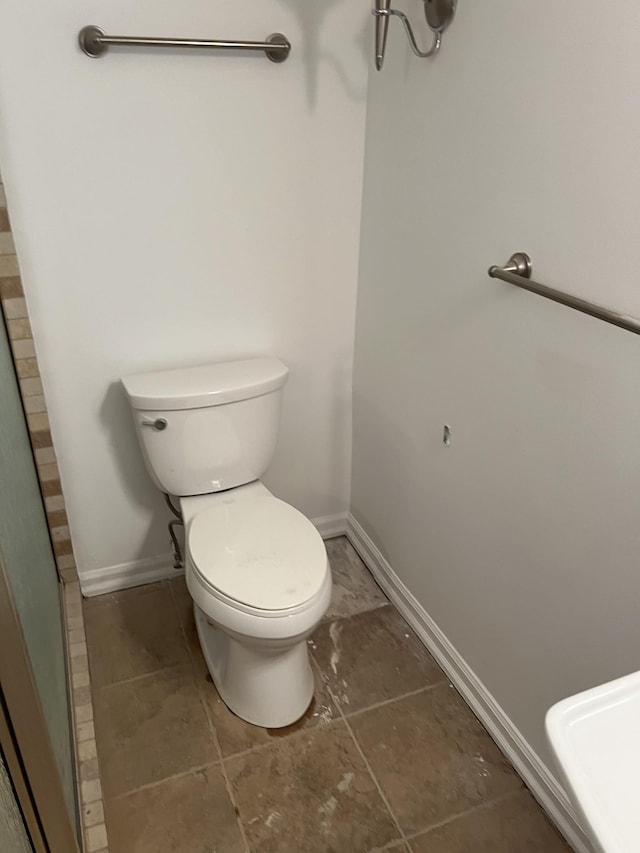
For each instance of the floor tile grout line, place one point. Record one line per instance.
(392, 845)
(119, 682)
(183, 773)
(369, 768)
(261, 747)
(223, 768)
(232, 798)
(335, 618)
(466, 812)
(198, 768)
(212, 729)
(347, 717)
(135, 678)
(385, 702)
(375, 781)
(345, 618)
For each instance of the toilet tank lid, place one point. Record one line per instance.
(204, 385)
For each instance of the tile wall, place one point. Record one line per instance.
(14, 310)
(89, 779)
(16, 317)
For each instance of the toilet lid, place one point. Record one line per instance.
(261, 552)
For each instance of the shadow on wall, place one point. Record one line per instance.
(115, 415)
(287, 476)
(374, 428)
(311, 14)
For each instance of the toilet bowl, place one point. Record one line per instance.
(256, 568)
(258, 573)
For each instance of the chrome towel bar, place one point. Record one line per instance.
(518, 271)
(95, 43)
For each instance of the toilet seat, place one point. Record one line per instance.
(260, 553)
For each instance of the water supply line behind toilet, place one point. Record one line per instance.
(438, 15)
(178, 559)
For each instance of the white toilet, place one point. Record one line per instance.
(256, 568)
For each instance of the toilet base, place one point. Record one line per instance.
(264, 682)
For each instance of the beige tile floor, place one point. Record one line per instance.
(388, 757)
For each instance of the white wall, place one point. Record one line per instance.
(173, 208)
(521, 539)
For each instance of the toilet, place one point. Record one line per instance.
(256, 568)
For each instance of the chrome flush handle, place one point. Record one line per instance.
(159, 423)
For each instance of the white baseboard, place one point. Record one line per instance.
(152, 569)
(329, 526)
(125, 575)
(527, 763)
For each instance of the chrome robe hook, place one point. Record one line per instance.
(438, 14)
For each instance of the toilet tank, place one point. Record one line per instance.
(208, 428)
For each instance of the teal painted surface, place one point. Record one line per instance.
(27, 552)
(13, 835)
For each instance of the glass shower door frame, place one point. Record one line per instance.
(24, 738)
